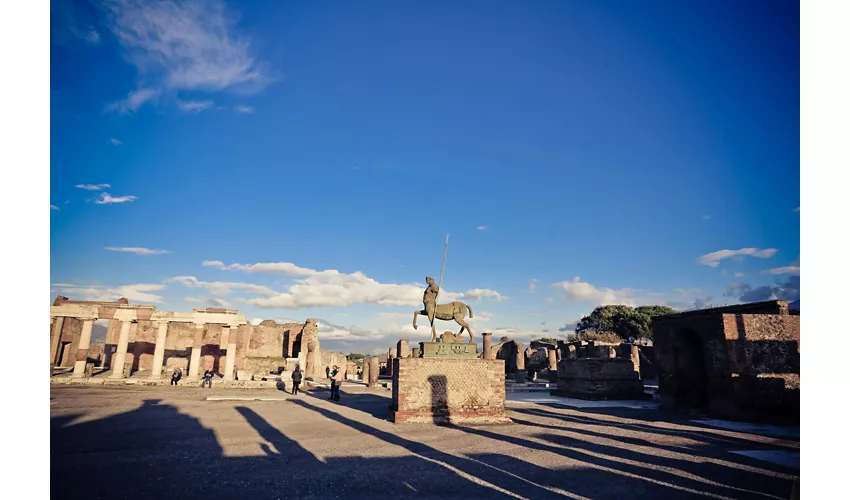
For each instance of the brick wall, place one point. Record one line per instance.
(440, 390)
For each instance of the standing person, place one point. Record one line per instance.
(338, 377)
(208, 375)
(328, 372)
(332, 376)
(296, 379)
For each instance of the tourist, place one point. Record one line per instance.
(338, 377)
(208, 375)
(328, 372)
(176, 376)
(296, 379)
(332, 376)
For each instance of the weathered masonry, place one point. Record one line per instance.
(737, 362)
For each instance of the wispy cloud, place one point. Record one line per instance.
(115, 142)
(137, 292)
(244, 109)
(793, 270)
(481, 228)
(576, 290)
(107, 199)
(706, 217)
(54, 207)
(208, 301)
(738, 275)
(134, 100)
(73, 23)
(138, 250)
(92, 187)
(532, 285)
(194, 106)
(713, 259)
(189, 45)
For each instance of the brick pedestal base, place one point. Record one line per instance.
(449, 390)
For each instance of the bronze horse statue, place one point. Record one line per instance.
(447, 312)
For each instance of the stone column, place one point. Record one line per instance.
(403, 348)
(364, 375)
(83, 349)
(488, 346)
(553, 360)
(414, 352)
(195, 359)
(520, 363)
(390, 356)
(121, 350)
(373, 371)
(56, 338)
(230, 360)
(159, 350)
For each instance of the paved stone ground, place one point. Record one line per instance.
(170, 442)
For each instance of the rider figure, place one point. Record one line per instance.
(429, 299)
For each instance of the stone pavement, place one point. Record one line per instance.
(171, 442)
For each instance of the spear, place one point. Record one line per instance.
(442, 267)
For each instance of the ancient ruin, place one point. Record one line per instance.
(598, 370)
(144, 341)
(737, 362)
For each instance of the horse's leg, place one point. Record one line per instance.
(432, 316)
(463, 325)
(415, 314)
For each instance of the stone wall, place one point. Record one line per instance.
(329, 359)
(448, 390)
(599, 370)
(729, 364)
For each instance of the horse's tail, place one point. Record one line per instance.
(470, 310)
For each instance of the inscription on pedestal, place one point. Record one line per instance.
(443, 350)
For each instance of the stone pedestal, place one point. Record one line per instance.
(414, 352)
(374, 371)
(364, 374)
(452, 390)
(403, 348)
(488, 346)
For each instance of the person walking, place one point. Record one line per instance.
(337, 382)
(296, 380)
(208, 375)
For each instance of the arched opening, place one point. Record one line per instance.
(692, 386)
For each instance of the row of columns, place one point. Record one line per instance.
(118, 361)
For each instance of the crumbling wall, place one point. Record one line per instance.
(599, 370)
(733, 362)
(266, 340)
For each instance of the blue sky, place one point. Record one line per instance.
(307, 159)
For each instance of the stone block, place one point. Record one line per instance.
(244, 375)
(443, 350)
(599, 378)
(449, 390)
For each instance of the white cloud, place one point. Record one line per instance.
(794, 270)
(532, 285)
(208, 301)
(138, 250)
(331, 288)
(106, 199)
(194, 106)
(223, 288)
(713, 259)
(116, 142)
(481, 228)
(134, 100)
(479, 293)
(579, 291)
(137, 292)
(188, 45)
(244, 109)
(54, 207)
(92, 187)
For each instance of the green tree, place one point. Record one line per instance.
(504, 339)
(625, 321)
(548, 340)
(355, 356)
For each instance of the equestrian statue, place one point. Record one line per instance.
(453, 311)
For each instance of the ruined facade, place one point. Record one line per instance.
(143, 339)
(737, 362)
